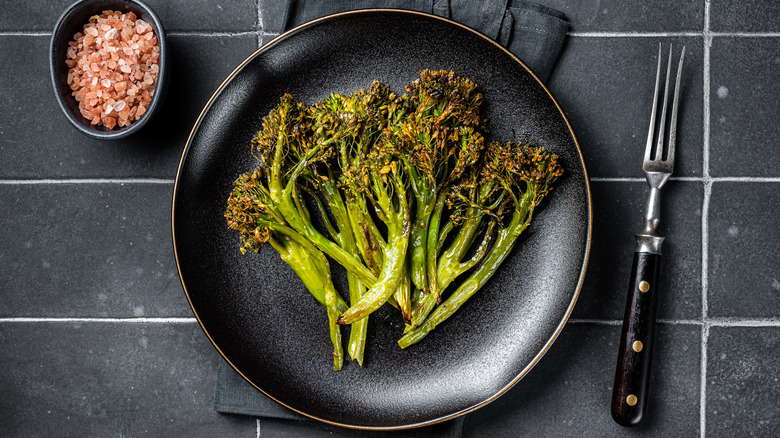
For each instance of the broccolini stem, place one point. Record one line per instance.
(306, 228)
(345, 237)
(335, 329)
(312, 268)
(449, 264)
(358, 330)
(427, 301)
(369, 241)
(394, 261)
(403, 295)
(418, 245)
(505, 241)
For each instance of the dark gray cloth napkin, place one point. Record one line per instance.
(534, 33)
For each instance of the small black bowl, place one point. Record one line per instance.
(73, 21)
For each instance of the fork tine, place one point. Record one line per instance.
(659, 148)
(673, 122)
(649, 146)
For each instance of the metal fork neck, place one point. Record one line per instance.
(649, 240)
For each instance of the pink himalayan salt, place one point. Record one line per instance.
(113, 66)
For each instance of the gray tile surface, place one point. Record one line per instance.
(745, 103)
(618, 210)
(37, 141)
(744, 262)
(605, 86)
(176, 15)
(96, 335)
(98, 379)
(622, 16)
(742, 381)
(568, 394)
(116, 257)
(744, 16)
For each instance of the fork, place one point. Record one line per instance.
(632, 376)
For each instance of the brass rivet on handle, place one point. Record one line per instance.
(631, 400)
(637, 346)
(644, 286)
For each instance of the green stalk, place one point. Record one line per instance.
(418, 245)
(505, 241)
(395, 254)
(312, 268)
(427, 301)
(449, 265)
(345, 237)
(403, 294)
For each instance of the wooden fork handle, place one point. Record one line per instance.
(632, 376)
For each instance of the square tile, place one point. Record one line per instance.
(272, 15)
(605, 87)
(175, 15)
(744, 16)
(742, 381)
(618, 209)
(621, 16)
(111, 379)
(744, 106)
(568, 392)
(88, 250)
(41, 143)
(743, 260)
(206, 15)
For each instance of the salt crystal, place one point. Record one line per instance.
(108, 82)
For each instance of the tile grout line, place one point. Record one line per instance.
(137, 320)
(259, 28)
(618, 34)
(704, 179)
(12, 182)
(705, 329)
(743, 322)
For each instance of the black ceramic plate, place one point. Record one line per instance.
(259, 315)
